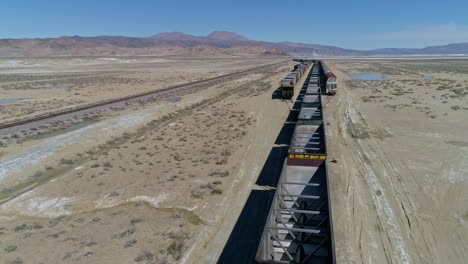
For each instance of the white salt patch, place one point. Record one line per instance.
(9, 63)
(455, 176)
(41, 206)
(433, 135)
(43, 150)
(155, 201)
(109, 201)
(383, 206)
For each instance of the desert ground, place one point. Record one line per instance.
(41, 85)
(164, 180)
(399, 187)
(152, 182)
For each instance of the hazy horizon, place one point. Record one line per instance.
(365, 25)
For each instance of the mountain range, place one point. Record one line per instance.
(216, 44)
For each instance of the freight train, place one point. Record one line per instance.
(331, 84)
(327, 78)
(288, 83)
(299, 225)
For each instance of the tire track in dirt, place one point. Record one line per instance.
(366, 155)
(414, 177)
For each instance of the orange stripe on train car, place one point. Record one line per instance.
(302, 156)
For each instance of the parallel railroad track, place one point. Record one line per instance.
(126, 98)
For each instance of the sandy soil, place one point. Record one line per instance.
(399, 187)
(150, 184)
(31, 87)
(164, 182)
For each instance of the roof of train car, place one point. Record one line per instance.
(330, 74)
(313, 90)
(311, 98)
(310, 182)
(310, 112)
(308, 138)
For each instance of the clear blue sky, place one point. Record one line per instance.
(350, 24)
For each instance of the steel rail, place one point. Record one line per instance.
(130, 97)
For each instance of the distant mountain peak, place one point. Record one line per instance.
(216, 43)
(226, 35)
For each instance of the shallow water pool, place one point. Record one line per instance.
(368, 76)
(425, 77)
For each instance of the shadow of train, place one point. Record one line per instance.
(243, 242)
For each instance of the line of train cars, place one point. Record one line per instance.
(331, 84)
(288, 83)
(298, 228)
(328, 78)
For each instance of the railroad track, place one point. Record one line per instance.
(131, 97)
